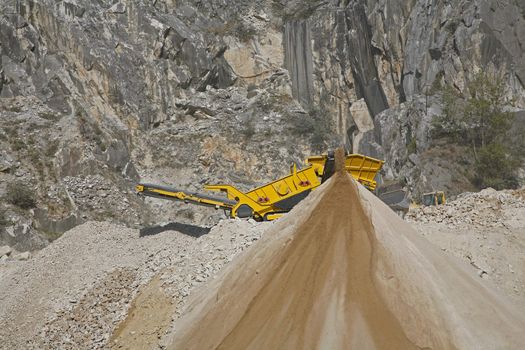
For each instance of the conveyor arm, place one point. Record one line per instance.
(166, 192)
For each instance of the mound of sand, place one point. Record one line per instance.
(342, 271)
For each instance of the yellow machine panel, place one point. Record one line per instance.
(434, 198)
(363, 169)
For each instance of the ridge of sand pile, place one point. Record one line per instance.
(342, 271)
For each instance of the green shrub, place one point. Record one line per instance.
(14, 108)
(90, 129)
(436, 86)
(301, 124)
(52, 148)
(235, 26)
(478, 118)
(412, 146)
(49, 115)
(244, 32)
(17, 144)
(12, 131)
(495, 168)
(21, 195)
(317, 125)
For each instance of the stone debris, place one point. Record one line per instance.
(74, 293)
(5, 251)
(78, 290)
(487, 208)
(100, 197)
(485, 229)
(343, 271)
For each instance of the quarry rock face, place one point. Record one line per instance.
(189, 92)
(393, 55)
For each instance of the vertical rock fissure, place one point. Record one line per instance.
(364, 70)
(298, 60)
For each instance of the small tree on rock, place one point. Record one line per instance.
(21, 195)
(479, 119)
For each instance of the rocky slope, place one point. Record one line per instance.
(74, 293)
(97, 95)
(88, 115)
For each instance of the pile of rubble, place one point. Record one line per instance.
(74, 292)
(91, 318)
(487, 208)
(342, 271)
(101, 198)
(484, 229)
(87, 288)
(7, 253)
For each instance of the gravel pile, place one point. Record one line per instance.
(484, 229)
(487, 208)
(343, 271)
(98, 196)
(91, 319)
(73, 293)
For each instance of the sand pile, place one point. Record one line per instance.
(342, 271)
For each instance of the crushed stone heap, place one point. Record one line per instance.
(75, 292)
(342, 271)
(487, 208)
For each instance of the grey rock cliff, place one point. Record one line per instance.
(97, 95)
(392, 54)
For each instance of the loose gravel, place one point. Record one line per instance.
(73, 293)
(485, 229)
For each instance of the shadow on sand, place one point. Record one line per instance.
(187, 229)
